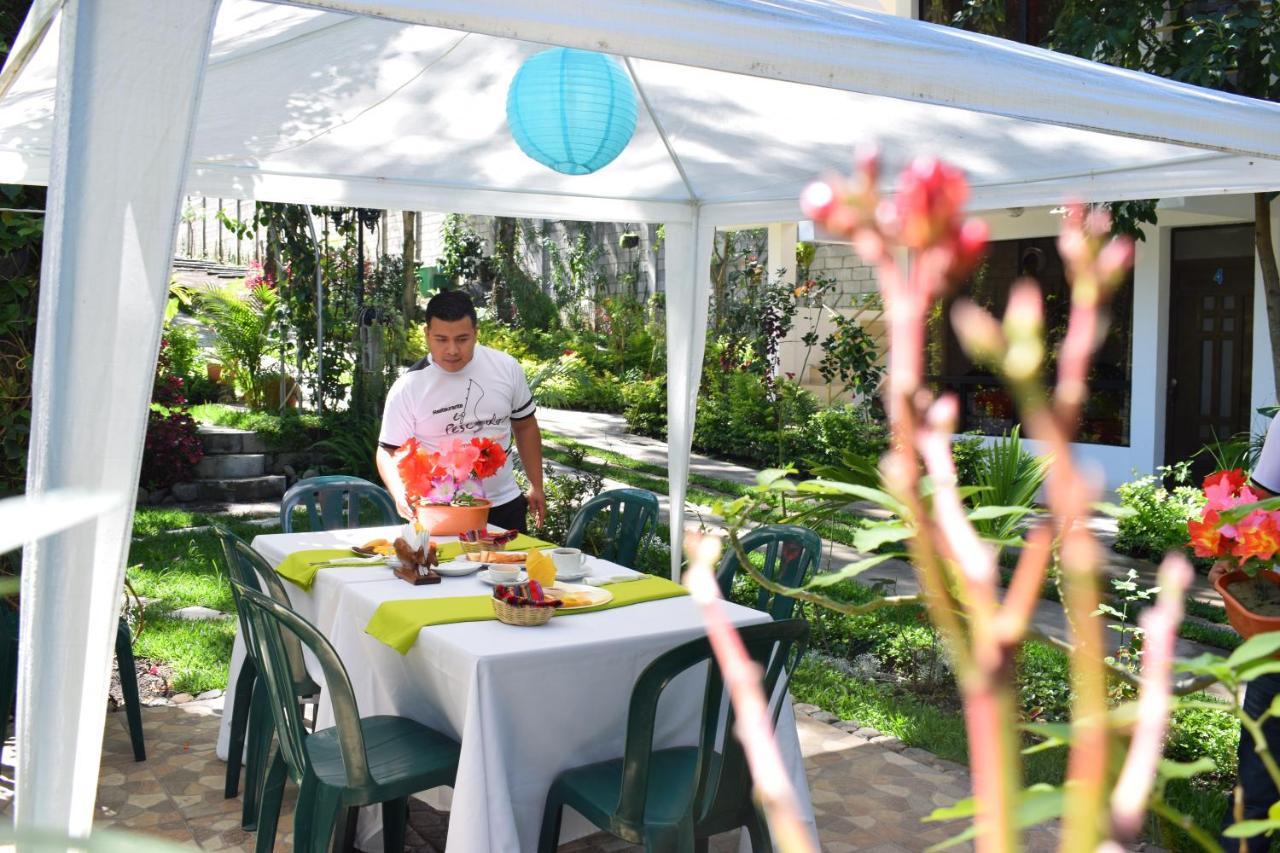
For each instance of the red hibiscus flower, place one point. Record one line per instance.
(1260, 540)
(1235, 480)
(1207, 538)
(418, 467)
(492, 457)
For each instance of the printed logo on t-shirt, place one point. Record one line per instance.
(468, 418)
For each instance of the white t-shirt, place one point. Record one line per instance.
(478, 401)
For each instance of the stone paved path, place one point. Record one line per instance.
(867, 796)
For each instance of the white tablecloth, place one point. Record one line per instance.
(524, 703)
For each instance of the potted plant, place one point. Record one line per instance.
(444, 486)
(1237, 526)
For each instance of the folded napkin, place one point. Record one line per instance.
(449, 550)
(397, 623)
(300, 567)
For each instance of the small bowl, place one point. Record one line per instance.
(504, 573)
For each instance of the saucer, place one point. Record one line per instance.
(483, 575)
(572, 576)
(457, 568)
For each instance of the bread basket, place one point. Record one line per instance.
(521, 614)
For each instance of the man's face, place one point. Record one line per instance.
(452, 342)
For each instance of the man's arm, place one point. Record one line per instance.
(529, 444)
(391, 478)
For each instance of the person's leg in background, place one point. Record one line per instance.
(1259, 789)
(512, 515)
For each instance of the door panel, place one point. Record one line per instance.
(1210, 345)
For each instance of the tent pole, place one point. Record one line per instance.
(118, 165)
(688, 278)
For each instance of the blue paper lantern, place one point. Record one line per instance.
(572, 110)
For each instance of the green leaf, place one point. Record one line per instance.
(769, 476)
(1250, 828)
(849, 571)
(1186, 769)
(1233, 515)
(986, 513)
(870, 538)
(957, 810)
(1255, 648)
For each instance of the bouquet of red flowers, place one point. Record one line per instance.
(1251, 541)
(450, 475)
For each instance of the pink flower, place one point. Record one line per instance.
(441, 491)
(459, 457)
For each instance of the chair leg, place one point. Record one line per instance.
(395, 816)
(129, 690)
(268, 817)
(260, 734)
(663, 839)
(344, 834)
(239, 722)
(315, 816)
(549, 837)
(758, 832)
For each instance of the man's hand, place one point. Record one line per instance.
(1220, 568)
(537, 506)
(402, 507)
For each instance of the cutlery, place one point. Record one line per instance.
(615, 579)
(350, 561)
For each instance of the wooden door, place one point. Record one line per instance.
(1210, 340)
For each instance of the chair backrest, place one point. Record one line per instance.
(791, 555)
(272, 624)
(723, 782)
(248, 568)
(632, 513)
(334, 501)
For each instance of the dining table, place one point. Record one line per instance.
(525, 703)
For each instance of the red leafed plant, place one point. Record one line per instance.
(451, 474)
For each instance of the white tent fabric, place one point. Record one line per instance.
(311, 106)
(400, 105)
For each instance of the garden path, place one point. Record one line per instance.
(609, 432)
(868, 795)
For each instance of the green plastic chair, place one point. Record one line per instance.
(791, 555)
(335, 500)
(250, 716)
(632, 513)
(124, 663)
(675, 799)
(357, 762)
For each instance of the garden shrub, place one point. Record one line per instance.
(736, 419)
(830, 433)
(171, 450)
(645, 406)
(575, 386)
(967, 452)
(1159, 520)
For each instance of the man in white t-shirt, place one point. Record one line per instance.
(465, 390)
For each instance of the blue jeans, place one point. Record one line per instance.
(1259, 791)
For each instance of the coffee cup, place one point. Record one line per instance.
(568, 561)
(503, 572)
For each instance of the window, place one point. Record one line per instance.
(985, 406)
(1027, 21)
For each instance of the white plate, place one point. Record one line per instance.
(595, 595)
(572, 576)
(484, 576)
(457, 568)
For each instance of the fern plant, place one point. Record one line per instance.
(1008, 477)
(245, 330)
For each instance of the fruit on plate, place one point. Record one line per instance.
(577, 599)
(378, 546)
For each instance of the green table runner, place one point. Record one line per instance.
(397, 623)
(300, 567)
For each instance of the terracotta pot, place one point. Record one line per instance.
(450, 520)
(1246, 622)
(214, 371)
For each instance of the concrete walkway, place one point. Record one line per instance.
(868, 794)
(609, 432)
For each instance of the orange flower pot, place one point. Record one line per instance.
(1246, 622)
(451, 520)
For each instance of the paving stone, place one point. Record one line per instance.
(181, 698)
(825, 717)
(805, 708)
(197, 613)
(867, 733)
(924, 756)
(210, 694)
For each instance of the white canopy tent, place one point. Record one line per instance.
(400, 105)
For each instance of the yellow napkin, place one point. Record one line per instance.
(300, 566)
(397, 623)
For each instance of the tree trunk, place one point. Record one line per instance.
(409, 297)
(504, 251)
(1270, 276)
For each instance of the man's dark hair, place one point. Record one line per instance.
(451, 305)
